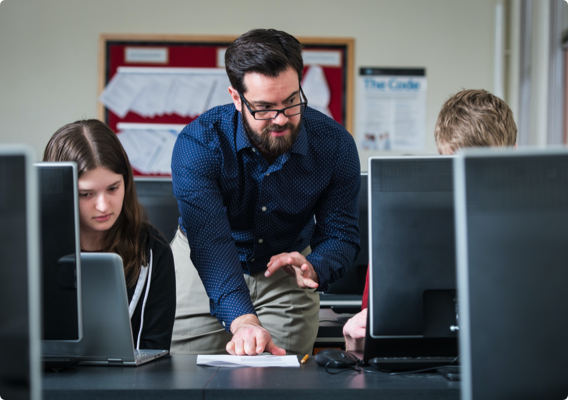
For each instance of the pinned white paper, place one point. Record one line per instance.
(158, 91)
(149, 149)
(317, 90)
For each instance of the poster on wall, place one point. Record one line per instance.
(391, 108)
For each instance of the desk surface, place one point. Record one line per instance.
(178, 377)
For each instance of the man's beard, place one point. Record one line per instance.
(271, 145)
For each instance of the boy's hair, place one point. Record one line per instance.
(475, 118)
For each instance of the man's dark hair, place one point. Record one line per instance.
(265, 51)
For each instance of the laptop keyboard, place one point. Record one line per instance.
(410, 363)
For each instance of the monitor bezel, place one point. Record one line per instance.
(462, 253)
(47, 344)
(33, 267)
(370, 216)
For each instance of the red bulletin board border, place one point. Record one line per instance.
(201, 52)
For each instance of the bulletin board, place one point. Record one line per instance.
(200, 52)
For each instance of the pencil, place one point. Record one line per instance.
(305, 359)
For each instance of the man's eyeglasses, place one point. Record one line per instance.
(271, 114)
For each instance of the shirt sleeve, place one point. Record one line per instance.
(160, 310)
(335, 241)
(196, 170)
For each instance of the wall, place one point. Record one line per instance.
(49, 49)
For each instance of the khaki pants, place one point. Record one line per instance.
(290, 314)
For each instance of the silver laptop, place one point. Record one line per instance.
(107, 333)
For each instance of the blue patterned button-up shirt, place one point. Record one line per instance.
(238, 210)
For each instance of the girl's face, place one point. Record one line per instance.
(101, 195)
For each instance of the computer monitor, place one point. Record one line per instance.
(412, 296)
(156, 195)
(345, 294)
(20, 317)
(61, 263)
(512, 248)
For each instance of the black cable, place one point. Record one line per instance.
(342, 370)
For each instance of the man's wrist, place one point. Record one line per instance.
(245, 319)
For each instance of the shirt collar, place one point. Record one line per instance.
(300, 146)
(243, 140)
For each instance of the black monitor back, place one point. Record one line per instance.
(19, 276)
(512, 235)
(412, 298)
(156, 195)
(61, 265)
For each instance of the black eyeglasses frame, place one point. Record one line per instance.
(253, 112)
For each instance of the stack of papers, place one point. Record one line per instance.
(149, 146)
(247, 361)
(188, 92)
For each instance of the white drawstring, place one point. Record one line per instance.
(138, 292)
(144, 303)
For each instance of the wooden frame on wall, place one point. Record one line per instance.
(340, 79)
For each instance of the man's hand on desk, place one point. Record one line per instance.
(296, 265)
(354, 331)
(251, 338)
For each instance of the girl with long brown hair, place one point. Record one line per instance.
(113, 220)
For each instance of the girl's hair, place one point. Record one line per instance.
(92, 144)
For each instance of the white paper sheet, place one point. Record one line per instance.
(157, 91)
(184, 99)
(248, 361)
(149, 150)
(121, 92)
(152, 100)
(220, 93)
(317, 90)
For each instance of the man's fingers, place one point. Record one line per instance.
(274, 350)
(289, 270)
(250, 346)
(273, 266)
(295, 261)
(230, 348)
(239, 347)
(261, 343)
(309, 283)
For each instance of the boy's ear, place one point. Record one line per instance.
(236, 98)
(445, 149)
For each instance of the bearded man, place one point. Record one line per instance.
(267, 192)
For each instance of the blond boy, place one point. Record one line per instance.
(470, 118)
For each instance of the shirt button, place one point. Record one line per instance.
(252, 259)
(260, 240)
(263, 208)
(268, 174)
(254, 150)
(223, 323)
